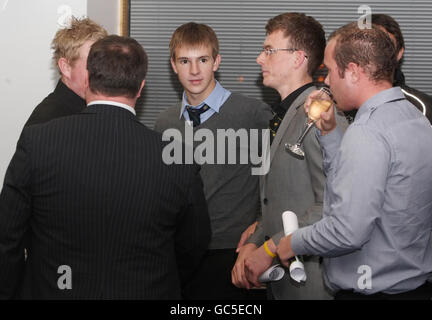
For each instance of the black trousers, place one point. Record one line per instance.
(212, 281)
(424, 292)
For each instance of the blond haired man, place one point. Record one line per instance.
(71, 46)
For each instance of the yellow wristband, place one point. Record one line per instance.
(266, 248)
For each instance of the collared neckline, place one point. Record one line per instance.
(282, 108)
(70, 97)
(287, 102)
(215, 99)
(377, 100)
(113, 103)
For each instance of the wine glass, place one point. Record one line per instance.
(321, 102)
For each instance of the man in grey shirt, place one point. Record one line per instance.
(375, 234)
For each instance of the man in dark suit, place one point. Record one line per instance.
(108, 219)
(71, 46)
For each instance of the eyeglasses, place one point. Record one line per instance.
(271, 51)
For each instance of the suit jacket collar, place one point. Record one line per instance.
(68, 97)
(296, 106)
(106, 109)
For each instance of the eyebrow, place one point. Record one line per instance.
(188, 58)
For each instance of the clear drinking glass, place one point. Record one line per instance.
(321, 102)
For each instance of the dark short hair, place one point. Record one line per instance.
(195, 35)
(117, 66)
(304, 32)
(391, 26)
(371, 49)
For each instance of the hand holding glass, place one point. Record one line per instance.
(320, 103)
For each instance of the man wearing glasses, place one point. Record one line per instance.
(293, 50)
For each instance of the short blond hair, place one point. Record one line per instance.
(69, 40)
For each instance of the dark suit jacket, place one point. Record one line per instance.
(59, 103)
(99, 200)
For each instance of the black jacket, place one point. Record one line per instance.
(59, 103)
(421, 100)
(97, 197)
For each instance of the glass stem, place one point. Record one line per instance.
(304, 133)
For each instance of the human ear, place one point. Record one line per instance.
(400, 54)
(217, 62)
(173, 65)
(65, 67)
(141, 87)
(353, 72)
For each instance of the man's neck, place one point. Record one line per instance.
(90, 97)
(293, 85)
(71, 87)
(371, 90)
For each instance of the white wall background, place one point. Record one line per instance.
(106, 13)
(27, 28)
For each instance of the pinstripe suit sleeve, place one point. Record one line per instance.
(193, 230)
(15, 206)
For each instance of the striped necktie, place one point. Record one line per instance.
(194, 114)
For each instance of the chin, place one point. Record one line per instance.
(267, 83)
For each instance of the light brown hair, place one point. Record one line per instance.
(371, 49)
(194, 35)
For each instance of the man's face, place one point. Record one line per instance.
(75, 79)
(195, 68)
(277, 67)
(338, 86)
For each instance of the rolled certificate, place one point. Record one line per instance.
(290, 224)
(274, 273)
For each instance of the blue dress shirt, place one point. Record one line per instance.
(375, 233)
(215, 100)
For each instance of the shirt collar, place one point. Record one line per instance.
(377, 100)
(215, 99)
(283, 107)
(113, 103)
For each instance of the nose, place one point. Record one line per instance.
(194, 69)
(260, 58)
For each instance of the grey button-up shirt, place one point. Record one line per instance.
(375, 233)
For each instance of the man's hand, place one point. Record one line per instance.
(238, 276)
(284, 250)
(327, 121)
(258, 262)
(245, 235)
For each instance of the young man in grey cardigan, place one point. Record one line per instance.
(230, 187)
